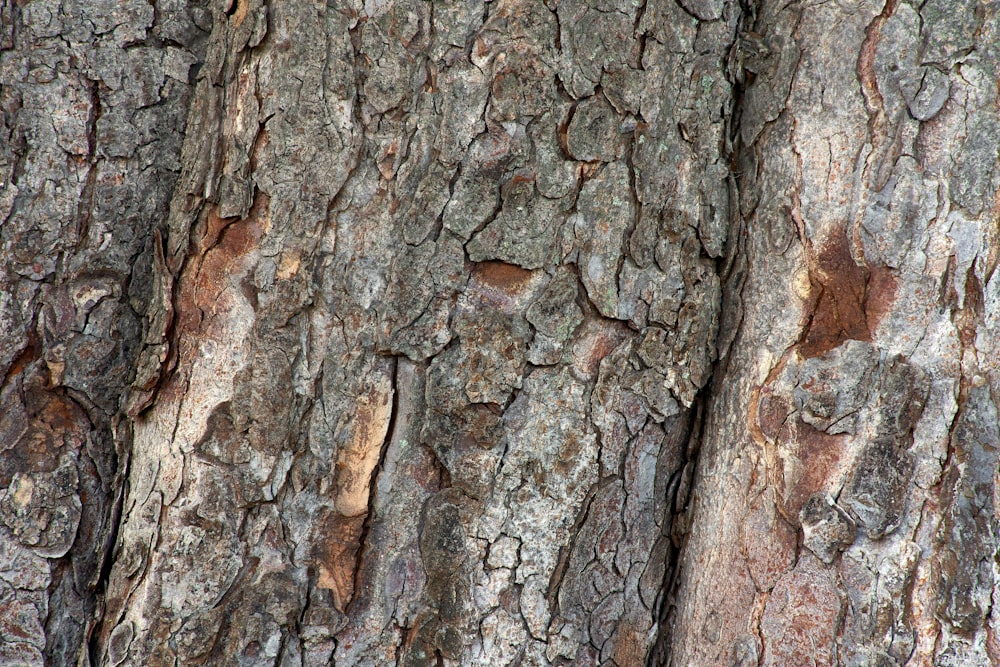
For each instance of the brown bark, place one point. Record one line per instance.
(579, 332)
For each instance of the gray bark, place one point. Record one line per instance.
(485, 333)
(93, 100)
(845, 506)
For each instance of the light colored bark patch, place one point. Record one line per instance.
(359, 456)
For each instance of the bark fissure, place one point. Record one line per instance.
(378, 469)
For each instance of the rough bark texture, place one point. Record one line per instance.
(594, 332)
(844, 509)
(93, 97)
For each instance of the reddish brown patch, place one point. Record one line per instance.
(29, 354)
(509, 599)
(223, 262)
(505, 277)
(812, 460)
(630, 649)
(481, 421)
(335, 549)
(215, 263)
(52, 422)
(801, 459)
(968, 318)
(212, 228)
(426, 472)
(772, 411)
(769, 543)
(992, 645)
(802, 617)
(842, 288)
(880, 295)
(498, 80)
(482, 48)
(522, 178)
(568, 454)
(766, 413)
(597, 340)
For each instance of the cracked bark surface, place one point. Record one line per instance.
(844, 508)
(593, 332)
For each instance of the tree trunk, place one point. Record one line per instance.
(487, 333)
(844, 509)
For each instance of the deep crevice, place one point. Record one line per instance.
(677, 491)
(682, 488)
(366, 526)
(108, 556)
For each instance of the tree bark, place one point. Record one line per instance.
(488, 333)
(93, 97)
(844, 510)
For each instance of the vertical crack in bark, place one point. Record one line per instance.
(678, 529)
(370, 517)
(123, 465)
(85, 207)
(728, 268)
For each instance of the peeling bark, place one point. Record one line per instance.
(488, 333)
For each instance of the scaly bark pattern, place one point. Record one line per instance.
(443, 291)
(93, 100)
(844, 511)
(513, 332)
